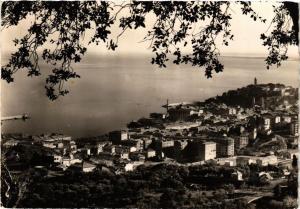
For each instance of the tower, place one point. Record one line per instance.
(255, 81)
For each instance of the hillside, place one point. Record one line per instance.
(267, 94)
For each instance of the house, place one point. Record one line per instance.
(136, 156)
(193, 112)
(123, 155)
(150, 153)
(118, 136)
(69, 160)
(110, 149)
(232, 111)
(56, 141)
(51, 143)
(71, 146)
(57, 158)
(264, 177)
(61, 137)
(98, 148)
(103, 158)
(237, 175)
(286, 118)
(267, 160)
(179, 112)
(61, 151)
(229, 161)
(294, 128)
(10, 143)
(245, 160)
(167, 143)
(224, 146)
(180, 144)
(277, 119)
(61, 167)
(146, 142)
(265, 122)
(253, 134)
(66, 161)
(86, 150)
(88, 167)
(123, 167)
(122, 149)
(241, 141)
(182, 125)
(199, 151)
(126, 166)
(135, 144)
(286, 172)
(157, 115)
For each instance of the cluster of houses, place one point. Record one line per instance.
(119, 153)
(187, 133)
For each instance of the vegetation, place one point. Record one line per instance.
(166, 186)
(295, 162)
(157, 186)
(244, 96)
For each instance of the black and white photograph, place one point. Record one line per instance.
(149, 104)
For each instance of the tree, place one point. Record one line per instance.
(295, 162)
(289, 202)
(64, 24)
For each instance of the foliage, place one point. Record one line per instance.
(278, 40)
(290, 202)
(63, 26)
(160, 186)
(295, 161)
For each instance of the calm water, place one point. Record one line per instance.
(113, 91)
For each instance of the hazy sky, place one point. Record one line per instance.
(246, 40)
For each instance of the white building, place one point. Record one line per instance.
(277, 119)
(88, 167)
(209, 150)
(57, 158)
(267, 160)
(70, 160)
(150, 153)
(294, 128)
(286, 118)
(262, 161)
(230, 161)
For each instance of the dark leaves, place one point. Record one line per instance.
(68, 22)
(6, 74)
(279, 38)
(247, 9)
(175, 28)
(112, 45)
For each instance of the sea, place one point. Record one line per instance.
(114, 90)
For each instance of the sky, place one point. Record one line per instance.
(246, 41)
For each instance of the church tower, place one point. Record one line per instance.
(255, 81)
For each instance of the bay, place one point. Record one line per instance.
(114, 90)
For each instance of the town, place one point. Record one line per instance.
(256, 125)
